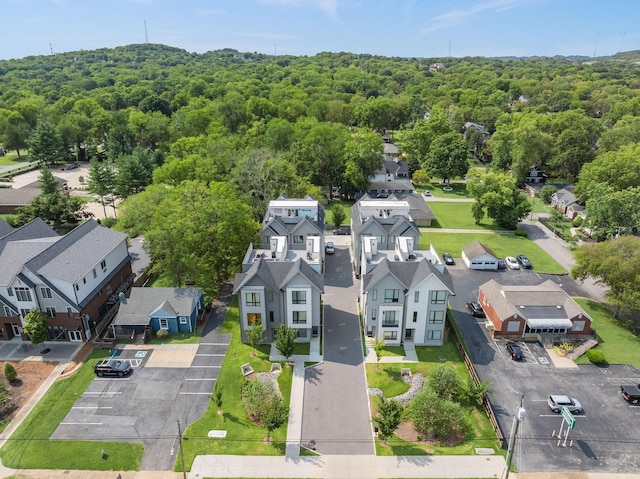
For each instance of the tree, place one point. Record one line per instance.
(45, 143)
(134, 172)
(447, 157)
(285, 340)
(10, 372)
(419, 139)
(389, 417)
(615, 264)
(476, 393)
(378, 347)
(35, 325)
(440, 418)
(611, 213)
(275, 415)
(55, 209)
(420, 177)
(363, 151)
(338, 216)
(101, 182)
(496, 196)
(48, 184)
(255, 335)
(445, 382)
(546, 192)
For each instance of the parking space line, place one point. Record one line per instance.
(203, 379)
(103, 392)
(92, 407)
(81, 424)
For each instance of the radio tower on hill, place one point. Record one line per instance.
(146, 35)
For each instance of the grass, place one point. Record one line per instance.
(179, 338)
(501, 244)
(243, 436)
(388, 379)
(333, 204)
(538, 206)
(619, 345)
(459, 190)
(11, 158)
(30, 447)
(457, 215)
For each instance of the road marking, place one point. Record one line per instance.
(81, 424)
(208, 394)
(92, 407)
(203, 379)
(215, 367)
(103, 392)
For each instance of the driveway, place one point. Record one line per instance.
(605, 436)
(147, 406)
(336, 406)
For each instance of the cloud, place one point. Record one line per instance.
(455, 17)
(329, 7)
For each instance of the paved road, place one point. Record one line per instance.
(336, 406)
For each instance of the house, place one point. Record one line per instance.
(5, 228)
(73, 279)
(13, 198)
(535, 175)
(271, 293)
(383, 218)
(480, 128)
(405, 301)
(148, 310)
(562, 200)
(390, 150)
(543, 311)
(479, 256)
(291, 228)
(418, 208)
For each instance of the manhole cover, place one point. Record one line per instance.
(141, 354)
(543, 360)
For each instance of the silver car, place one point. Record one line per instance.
(556, 402)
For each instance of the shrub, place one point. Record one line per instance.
(596, 356)
(577, 222)
(108, 222)
(546, 192)
(10, 372)
(520, 233)
(162, 334)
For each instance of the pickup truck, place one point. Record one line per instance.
(631, 393)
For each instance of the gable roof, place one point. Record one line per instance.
(144, 302)
(276, 274)
(408, 274)
(475, 249)
(5, 228)
(565, 196)
(419, 207)
(32, 230)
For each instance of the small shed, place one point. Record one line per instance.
(479, 256)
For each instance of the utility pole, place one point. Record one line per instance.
(517, 419)
(184, 471)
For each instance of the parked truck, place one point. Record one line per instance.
(631, 393)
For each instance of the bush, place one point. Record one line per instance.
(10, 372)
(108, 222)
(577, 222)
(520, 233)
(546, 192)
(162, 334)
(596, 356)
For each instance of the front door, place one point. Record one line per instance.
(16, 329)
(408, 334)
(75, 336)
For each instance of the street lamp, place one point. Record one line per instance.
(517, 419)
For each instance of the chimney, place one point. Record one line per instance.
(122, 298)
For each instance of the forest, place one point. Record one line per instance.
(196, 144)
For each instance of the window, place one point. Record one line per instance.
(298, 239)
(183, 320)
(438, 297)
(69, 312)
(436, 317)
(302, 333)
(392, 240)
(252, 299)
(382, 240)
(415, 316)
(299, 317)
(164, 323)
(76, 287)
(24, 312)
(23, 294)
(292, 212)
(271, 317)
(51, 311)
(270, 296)
(434, 334)
(103, 265)
(7, 312)
(45, 292)
(374, 295)
(389, 319)
(299, 297)
(416, 296)
(84, 280)
(390, 335)
(373, 314)
(391, 295)
(95, 275)
(10, 291)
(254, 318)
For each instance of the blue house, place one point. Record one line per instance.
(148, 310)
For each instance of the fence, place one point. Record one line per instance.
(476, 380)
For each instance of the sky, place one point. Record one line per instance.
(402, 28)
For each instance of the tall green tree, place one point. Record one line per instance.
(611, 213)
(255, 335)
(48, 184)
(101, 182)
(285, 340)
(496, 196)
(389, 417)
(618, 168)
(447, 157)
(276, 415)
(35, 325)
(45, 143)
(363, 151)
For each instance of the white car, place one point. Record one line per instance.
(512, 263)
(329, 248)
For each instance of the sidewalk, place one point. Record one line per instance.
(410, 355)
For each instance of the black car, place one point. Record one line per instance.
(476, 309)
(448, 259)
(502, 264)
(524, 261)
(342, 230)
(112, 367)
(515, 351)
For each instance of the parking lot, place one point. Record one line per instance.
(168, 383)
(605, 437)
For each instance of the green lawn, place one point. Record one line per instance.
(459, 190)
(618, 344)
(11, 158)
(30, 447)
(457, 215)
(387, 378)
(243, 437)
(345, 205)
(501, 244)
(538, 206)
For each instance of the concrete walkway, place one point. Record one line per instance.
(410, 355)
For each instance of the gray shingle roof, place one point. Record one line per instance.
(32, 230)
(475, 249)
(16, 253)
(142, 302)
(71, 258)
(276, 274)
(409, 274)
(5, 228)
